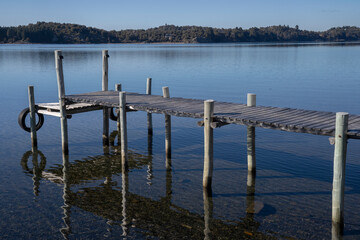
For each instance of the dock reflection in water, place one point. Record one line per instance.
(134, 213)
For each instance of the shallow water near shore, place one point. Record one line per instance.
(289, 198)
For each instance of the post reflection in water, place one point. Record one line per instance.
(208, 212)
(250, 193)
(168, 141)
(150, 149)
(66, 230)
(37, 169)
(124, 192)
(337, 231)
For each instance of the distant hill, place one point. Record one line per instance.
(50, 32)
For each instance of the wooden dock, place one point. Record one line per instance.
(214, 114)
(286, 119)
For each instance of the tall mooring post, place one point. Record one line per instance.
(61, 91)
(341, 129)
(118, 89)
(208, 144)
(166, 94)
(123, 130)
(32, 117)
(149, 116)
(251, 102)
(150, 136)
(105, 87)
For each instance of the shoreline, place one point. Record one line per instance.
(307, 43)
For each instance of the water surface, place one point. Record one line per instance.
(290, 197)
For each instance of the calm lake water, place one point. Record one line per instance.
(291, 195)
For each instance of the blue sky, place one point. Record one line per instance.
(135, 14)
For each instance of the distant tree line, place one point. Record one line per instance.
(50, 32)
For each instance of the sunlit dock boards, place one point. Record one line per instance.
(286, 119)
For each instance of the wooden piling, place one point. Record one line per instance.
(341, 129)
(149, 116)
(105, 72)
(105, 87)
(118, 89)
(251, 102)
(208, 143)
(32, 117)
(251, 99)
(148, 86)
(123, 129)
(61, 93)
(166, 94)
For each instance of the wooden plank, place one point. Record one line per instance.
(286, 119)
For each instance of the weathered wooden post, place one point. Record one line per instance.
(208, 144)
(166, 94)
(148, 86)
(32, 117)
(118, 89)
(251, 102)
(61, 91)
(150, 135)
(105, 87)
(105, 70)
(341, 129)
(123, 127)
(149, 116)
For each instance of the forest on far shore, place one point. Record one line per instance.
(51, 32)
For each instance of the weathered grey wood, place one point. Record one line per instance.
(123, 131)
(339, 167)
(166, 94)
(61, 93)
(251, 160)
(149, 124)
(105, 70)
(105, 87)
(105, 135)
(251, 100)
(118, 89)
(285, 119)
(32, 117)
(148, 86)
(208, 144)
(53, 109)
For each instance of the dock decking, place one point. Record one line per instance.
(286, 119)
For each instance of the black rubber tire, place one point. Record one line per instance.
(112, 115)
(22, 117)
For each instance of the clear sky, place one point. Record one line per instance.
(142, 14)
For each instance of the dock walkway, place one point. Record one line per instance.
(286, 119)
